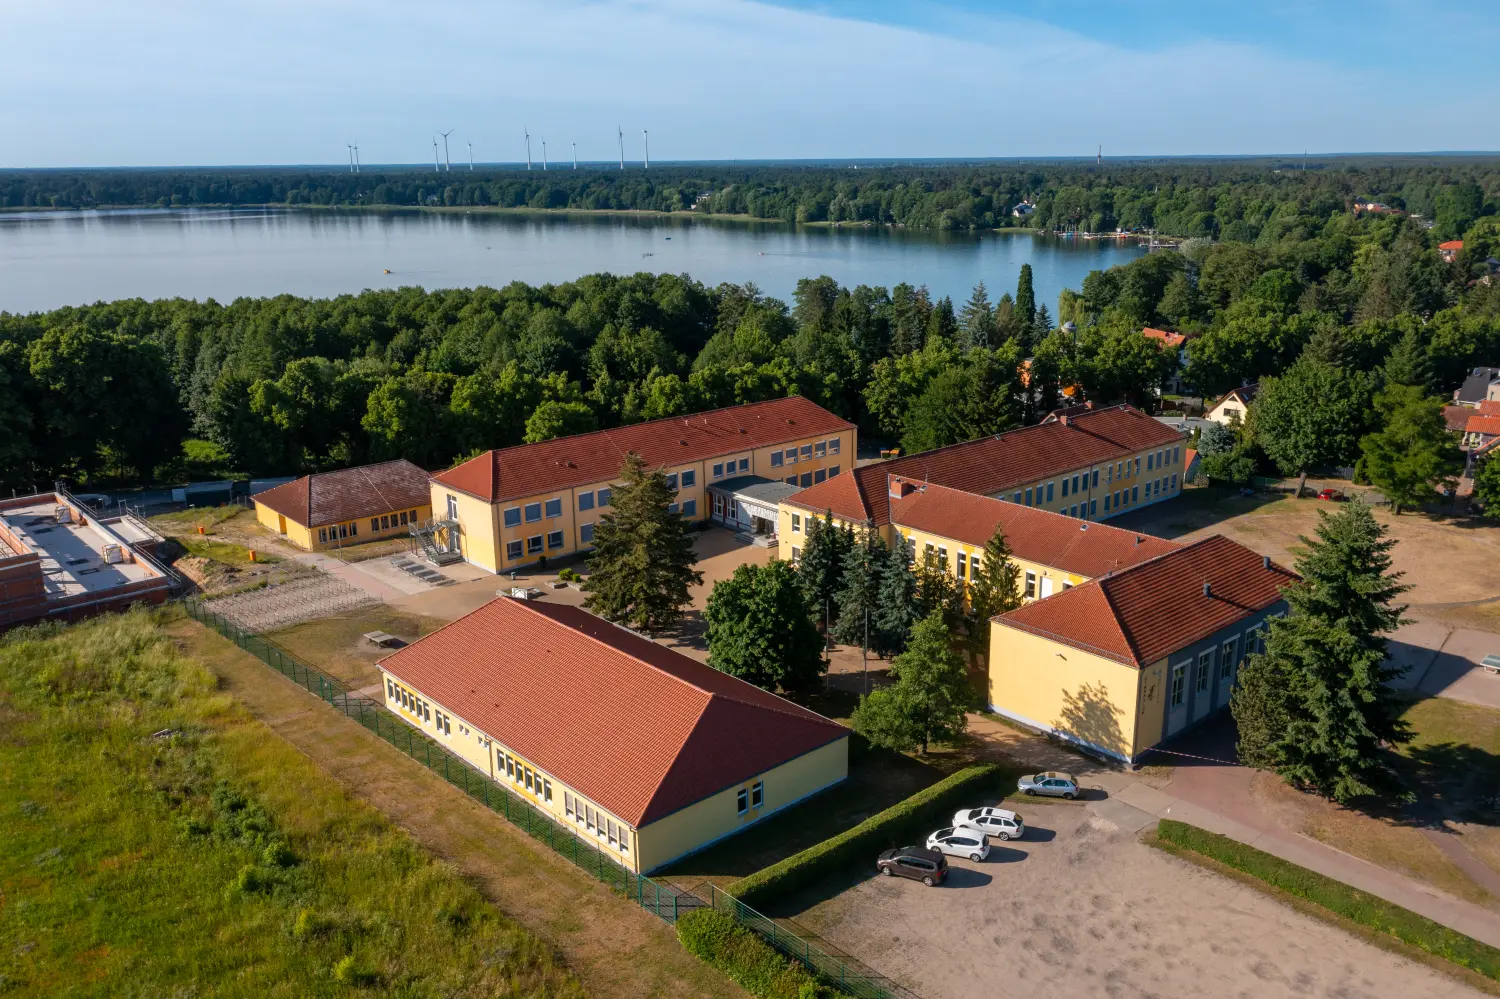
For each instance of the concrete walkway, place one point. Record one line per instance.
(1216, 797)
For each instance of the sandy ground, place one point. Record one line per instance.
(1081, 908)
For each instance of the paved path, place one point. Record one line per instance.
(1444, 661)
(1216, 797)
(351, 573)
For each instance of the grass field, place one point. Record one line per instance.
(188, 521)
(224, 552)
(157, 840)
(337, 645)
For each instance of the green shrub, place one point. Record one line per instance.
(278, 854)
(753, 964)
(898, 825)
(311, 923)
(568, 575)
(250, 880)
(1335, 896)
(348, 971)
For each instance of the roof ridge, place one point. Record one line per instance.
(1114, 617)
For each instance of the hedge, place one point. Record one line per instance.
(898, 825)
(753, 964)
(1352, 904)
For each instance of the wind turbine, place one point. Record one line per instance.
(471, 157)
(647, 134)
(356, 158)
(437, 164)
(446, 162)
(544, 154)
(622, 146)
(528, 147)
(575, 156)
(351, 156)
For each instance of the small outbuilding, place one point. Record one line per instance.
(334, 509)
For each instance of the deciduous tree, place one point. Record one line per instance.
(759, 629)
(1414, 456)
(929, 700)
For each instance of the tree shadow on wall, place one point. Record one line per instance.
(1090, 716)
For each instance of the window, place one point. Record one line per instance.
(1119, 470)
(833, 470)
(534, 545)
(796, 554)
(1073, 510)
(1178, 673)
(404, 521)
(568, 803)
(1096, 478)
(961, 565)
(690, 478)
(1137, 464)
(671, 507)
(586, 500)
(1176, 454)
(757, 794)
(775, 460)
(1205, 663)
(510, 767)
(1049, 492)
(586, 533)
(791, 480)
(719, 466)
(554, 507)
(928, 550)
(1106, 502)
(821, 475)
(375, 524)
(1075, 483)
(672, 481)
(690, 508)
(1148, 463)
(835, 445)
(546, 790)
(513, 549)
(528, 778)
(807, 452)
(744, 464)
(1030, 585)
(453, 512)
(342, 530)
(1135, 494)
(513, 517)
(942, 557)
(1174, 482)
(742, 801)
(1093, 508)
(604, 495)
(322, 534)
(791, 455)
(614, 836)
(974, 569)
(1065, 488)
(1028, 495)
(1109, 473)
(1226, 657)
(533, 512)
(796, 523)
(390, 689)
(554, 540)
(806, 480)
(591, 816)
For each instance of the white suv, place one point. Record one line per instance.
(960, 843)
(1000, 823)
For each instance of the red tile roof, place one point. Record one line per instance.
(1142, 614)
(1452, 244)
(1167, 337)
(1050, 539)
(350, 493)
(531, 469)
(993, 464)
(1482, 423)
(1457, 417)
(1245, 393)
(641, 730)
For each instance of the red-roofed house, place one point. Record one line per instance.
(510, 507)
(351, 505)
(1134, 657)
(1089, 464)
(1450, 250)
(650, 754)
(1234, 405)
(1175, 342)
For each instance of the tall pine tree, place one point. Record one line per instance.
(859, 589)
(897, 608)
(1025, 298)
(642, 563)
(977, 320)
(821, 567)
(995, 589)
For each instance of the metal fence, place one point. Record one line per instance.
(661, 899)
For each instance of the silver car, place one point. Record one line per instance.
(969, 843)
(1001, 823)
(1053, 783)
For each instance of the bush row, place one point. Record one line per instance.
(753, 964)
(1335, 896)
(898, 825)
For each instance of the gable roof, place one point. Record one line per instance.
(1476, 385)
(1483, 423)
(1062, 443)
(638, 728)
(349, 493)
(1040, 536)
(1457, 417)
(1166, 337)
(1145, 613)
(1245, 394)
(530, 469)
(1452, 244)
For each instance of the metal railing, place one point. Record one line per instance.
(664, 900)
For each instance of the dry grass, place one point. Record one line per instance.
(336, 645)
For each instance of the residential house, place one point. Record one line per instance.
(511, 507)
(1482, 384)
(1450, 250)
(1128, 660)
(333, 509)
(1090, 464)
(1234, 405)
(1177, 343)
(645, 752)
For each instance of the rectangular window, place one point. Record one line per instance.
(1075, 483)
(533, 512)
(1174, 482)
(1093, 508)
(757, 794)
(403, 519)
(513, 549)
(835, 445)
(554, 507)
(1065, 488)
(1135, 494)
(1030, 585)
(821, 475)
(554, 540)
(928, 550)
(604, 495)
(386, 523)
(1205, 663)
(1177, 454)
(974, 569)
(322, 534)
(1227, 658)
(510, 766)
(742, 801)
(568, 804)
(672, 481)
(1137, 464)
(1049, 492)
(796, 554)
(1073, 510)
(744, 464)
(1096, 478)
(586, 533)
(590, 816)
(942, 557)
(528, 778)
(586, 500)
(1028, 495)
(455, 512)
(546, 790)
(1106, 502)
(1179, 672)
(1016, 498)
(671, 507)
(1148, 462)
(534, 545)
(807, 452)
(791, 455)
(374, 524)
(719, 468)
(796, 523)
(820, 449)
(690, 478)
(614, 837)
(806, 480)
(960, 562)
(690, 508)
(791, 480)
(775, 460)
(1109, 473)
(833, 470)
(353, 530)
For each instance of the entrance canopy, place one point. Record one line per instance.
(756, 496)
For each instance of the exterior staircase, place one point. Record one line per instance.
(437, 540)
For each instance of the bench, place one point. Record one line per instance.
(381, 639)
(1491, 664)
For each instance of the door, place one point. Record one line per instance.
(281, 524)
(1203, 685)
(1177, 694)
(1046, 586)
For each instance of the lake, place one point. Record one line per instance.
(50, 259)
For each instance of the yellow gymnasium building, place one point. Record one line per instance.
(648, 753)
(1090, 464)
(508, 508)
(1123, 662)
(352, 505)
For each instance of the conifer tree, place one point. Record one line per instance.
(1414, 455)
(977, 320)
(897, 608)
(1025, 298)
(995, 589)
(642, 563)
(859, 589)
(821, 567)
(929, 700)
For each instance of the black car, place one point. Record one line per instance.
(915, 862)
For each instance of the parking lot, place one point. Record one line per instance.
(1081, 908)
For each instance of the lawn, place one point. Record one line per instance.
(188, 521)
(336, 645)
(155, 839)
(223, 552)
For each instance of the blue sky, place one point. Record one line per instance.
(97, 82)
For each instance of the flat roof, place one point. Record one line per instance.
(770, 491)
(72, 554)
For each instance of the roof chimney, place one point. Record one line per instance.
(900, 487)
(1208, 590)
(1265, 561)
(1063, 419)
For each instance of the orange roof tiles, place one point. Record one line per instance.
(1050, 539)
(1142, 614)
(1457, 417)
(349, 494)
(1483, 423)
(992, 464)
(641, 730)
(1452, 244)
(530, 469)
(1166, 337)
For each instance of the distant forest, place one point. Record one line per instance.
(1295, 287)
(1230, 200)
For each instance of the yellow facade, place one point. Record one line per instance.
(641, 850)
(1035, 579)
(351, 532)
(1105, 705)
(517, 532)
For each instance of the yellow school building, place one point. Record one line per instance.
(349, 506)
(512, 507)
(1133, 658)
(645, 752)
(1088, 464)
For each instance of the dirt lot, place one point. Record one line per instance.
(1082, 908)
